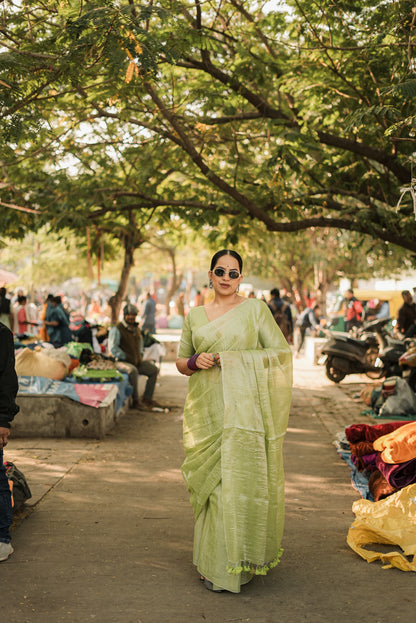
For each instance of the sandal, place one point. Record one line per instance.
(210, 586)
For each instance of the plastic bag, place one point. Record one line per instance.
(391, 521)
(403, 401)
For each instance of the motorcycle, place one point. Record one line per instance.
(344, 354)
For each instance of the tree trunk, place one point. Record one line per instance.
(90, 270)
(174, 282)
(116, 301)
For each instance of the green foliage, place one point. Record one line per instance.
(45, 259)
(116, 115)
(407, 89)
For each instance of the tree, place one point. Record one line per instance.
(297, 117)
(316, 259)
(271, 101)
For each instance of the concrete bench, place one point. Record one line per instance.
(59, 416)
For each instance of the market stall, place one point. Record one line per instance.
(66, 393)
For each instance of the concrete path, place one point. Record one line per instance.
(109, 538)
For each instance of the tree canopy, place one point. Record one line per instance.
(296, 114)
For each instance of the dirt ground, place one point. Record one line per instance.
(109, 535)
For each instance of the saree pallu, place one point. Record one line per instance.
(235, 419)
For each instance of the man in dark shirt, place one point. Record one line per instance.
(406, 317)
(8, 409)
(124, 344)
(282, 314)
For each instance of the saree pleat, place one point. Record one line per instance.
(235, 419)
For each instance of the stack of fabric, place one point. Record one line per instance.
(387, 452)
(390, 450)
(73, 371)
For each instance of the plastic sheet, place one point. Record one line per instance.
(391, 521)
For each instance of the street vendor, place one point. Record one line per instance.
(124, 344)
(57, 324)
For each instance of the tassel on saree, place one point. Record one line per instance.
(255, 569)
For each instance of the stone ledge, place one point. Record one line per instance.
(312, 346)
(59, 416)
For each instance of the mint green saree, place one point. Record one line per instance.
(235, 419)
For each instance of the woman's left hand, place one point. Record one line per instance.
(208, 360)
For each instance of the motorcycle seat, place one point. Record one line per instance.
(347, 337)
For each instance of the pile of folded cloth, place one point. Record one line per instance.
(387, 452)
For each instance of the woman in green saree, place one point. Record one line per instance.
(235, 418)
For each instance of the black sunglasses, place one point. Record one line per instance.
(233, 274)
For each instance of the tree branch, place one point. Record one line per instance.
(266, 110)
(389, 161)
(350, 225)
(13, 206)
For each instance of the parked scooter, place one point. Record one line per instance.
(391, 354)
(344, 354)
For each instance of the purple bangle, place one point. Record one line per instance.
(191, 363)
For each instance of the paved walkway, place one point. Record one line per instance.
(110, 535)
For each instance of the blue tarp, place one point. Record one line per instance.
(38, 385)
(359, 480)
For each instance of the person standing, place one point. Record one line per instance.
(8, 409)
(204, 294)
(57, 324)
(180, 304)
(45, 313)
(236, 412)
(353, 312)
(149, 315)
(125, 345)
(282, 314)
(308, 319)
(22, 320)
(406, 316)
(6, 313)
(198, 300)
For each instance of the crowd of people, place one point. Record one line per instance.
(356, 313)
(55, 317)
(297, 322)
(58, 318)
